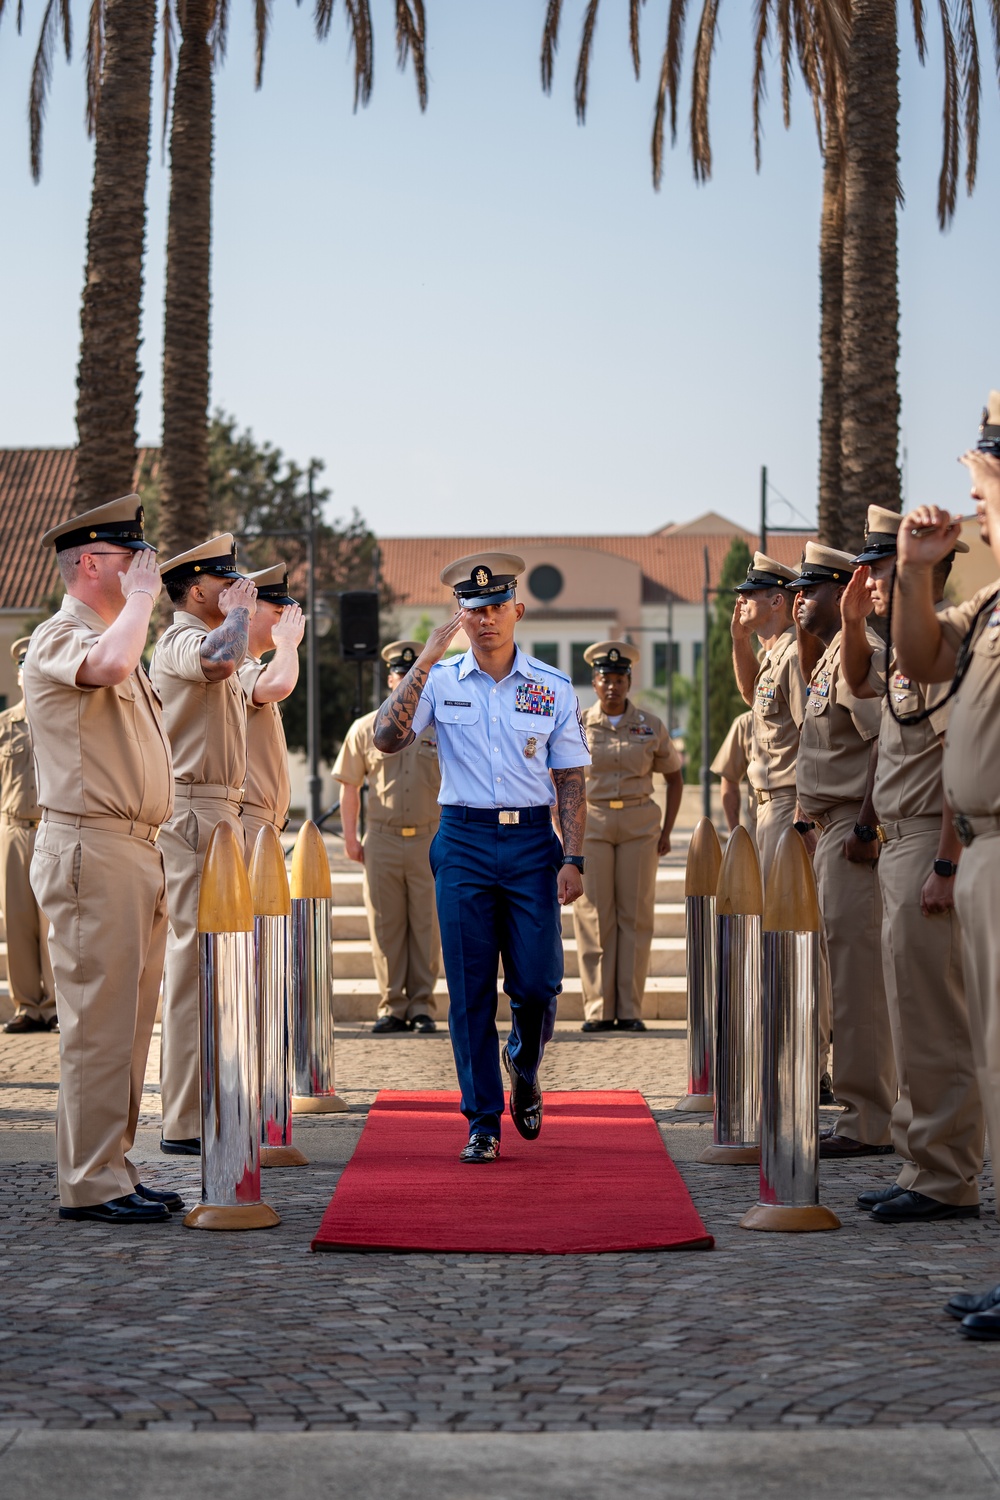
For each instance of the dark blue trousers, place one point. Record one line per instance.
(496, 898)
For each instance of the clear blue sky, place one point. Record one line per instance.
(483, 318)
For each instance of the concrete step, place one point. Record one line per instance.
(665, 999)
(347, 885)
(350, 923)
(352, 959)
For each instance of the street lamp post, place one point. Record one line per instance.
(314, 785)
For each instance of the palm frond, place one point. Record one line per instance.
(948, 176)
(971, 78)
(761, 29)
(261, 26)
(701, 77)
(673, 58)
(583, 61)
(218, 30)
(55, 18)
(633, 31)
(550, 41)
(919, 33)
(322, 17)
(20, 13)
(359, 20)
(411, 36)
(168, 21)
(993, 6)
(95, 62)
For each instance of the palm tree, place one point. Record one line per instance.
(119, 65)
(184, 473)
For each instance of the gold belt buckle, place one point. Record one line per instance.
(509, 815)
(407, 833)
(616, 802)
(881, 834)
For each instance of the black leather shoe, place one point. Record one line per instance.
(598, 1026)
(387, 1024)
(834, 1147)
(630, 1025)
(982, 1325)
(424, 1024)
(917, 1208)
(21, 1025)
(481, 1148)
(525, 1101)
(53, 1024)
(172, 1202)
(874, 1196)
(826, 1094)
(182, 1148)
(961, 1304)
(128, 1210)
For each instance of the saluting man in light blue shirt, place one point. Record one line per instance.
(511, 746)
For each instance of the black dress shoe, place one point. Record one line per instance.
(826, 1094)
(191, 1147)
(834, 1147)
(874, 1196)
(387, 1024)
(630, 1025)
(128, 1210)
(982, 1325)
(598, 1026)
(172, 1202)
(961, 1304)
(22, 1024)
(424, 1024)
(53, 1024)
(481, 1148)
(917, 1208)
(525, 1101)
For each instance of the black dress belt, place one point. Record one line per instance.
(505, 815)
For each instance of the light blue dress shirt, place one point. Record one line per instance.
(497, 741)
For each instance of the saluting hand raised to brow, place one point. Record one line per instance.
(142, 576)
(855, 602)
(737, 628)
(239, 595)
(441, 638)
(290, 626)
(938, 535)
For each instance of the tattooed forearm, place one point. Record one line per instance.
(392, 722)
(571, 801)
(223, 649)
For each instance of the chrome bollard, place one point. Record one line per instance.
(701, 879)
(739, 905)
(789, 1134)
(312, 978)
(272, 920)
(230, 1065)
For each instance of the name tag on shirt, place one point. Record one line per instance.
(456, 703)
(535, 698)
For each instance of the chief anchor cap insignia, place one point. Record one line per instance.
(611, 656)
(399, 656)
(483, 578)
(614, 654)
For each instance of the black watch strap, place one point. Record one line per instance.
(574, 859)
(866, 833)
(801, 826)
(945, 867)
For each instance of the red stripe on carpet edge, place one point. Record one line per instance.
(599, 1179)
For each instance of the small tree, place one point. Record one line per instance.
(724, 699)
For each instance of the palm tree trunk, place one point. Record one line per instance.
(870, 383)
(831, 272)
(108, 373)
(184, 514)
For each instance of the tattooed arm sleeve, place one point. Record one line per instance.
(571, 803)
(223, 649)
(393, 723)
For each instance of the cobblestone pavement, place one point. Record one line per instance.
(129, 1328)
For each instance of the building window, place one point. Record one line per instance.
(696, 664)
(545, 582)
(662, 651)
(547, 651)
(581, 672)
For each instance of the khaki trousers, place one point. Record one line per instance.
(184, 841)
(613, 919)
(864, 1074)
(105, 895)
(402, 921)
(977, 901)
(29, 972)
(942, 1117)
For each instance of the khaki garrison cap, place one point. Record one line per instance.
(484, 578)
(823, 565)
(272, 585)
(19, 650)
(881, 527)
(399, 656)
(989, 427)
(765, 573)
(120, 522)
(217, 556)
(611, 656)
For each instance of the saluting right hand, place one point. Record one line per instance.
(441, 638)
(142, 576)
(737, 629)
(855, 602)
(239, 595)
(938, 536)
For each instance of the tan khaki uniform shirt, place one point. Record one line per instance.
(832, 764)
(98, 750)
(779, 705)
(908, 775)
(403, 788)
(268, 784)
(624, 757)
(17, 767)
(206, 721)
(971, 769)
(734, 753)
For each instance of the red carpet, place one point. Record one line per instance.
(597, 1179)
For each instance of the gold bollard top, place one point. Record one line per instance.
(791, 904)
(739, 892)
(268, 878)
(310, 865)
(224, 903)
(701, 877)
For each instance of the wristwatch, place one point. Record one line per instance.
(574, 859)
(945, 867)
(801, 826)
(865, 832)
